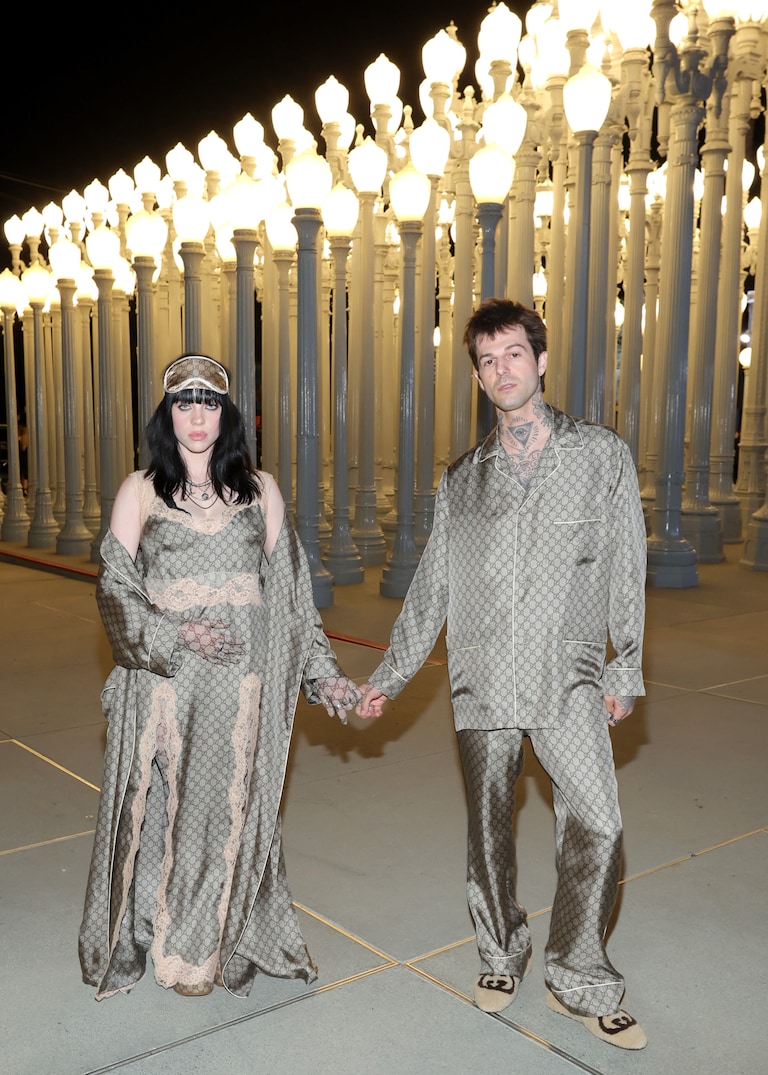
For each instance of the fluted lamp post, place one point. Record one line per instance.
(308, 177)
(103, 247)
(586, 99)
(340, 211)
(146, 234)
(491, 171)
(74, 538)
(429, 145)
(245, 208)
(367, 167)
(43, 529)
(282, 236)
(409, 192)
(685, 84)
(191, 219)
(15, 525)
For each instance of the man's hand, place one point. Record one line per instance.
(372, 702)
(618, 706)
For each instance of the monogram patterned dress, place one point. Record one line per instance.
(187, 862)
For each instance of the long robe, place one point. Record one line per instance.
(187, 858)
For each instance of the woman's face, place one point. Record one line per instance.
(196, 425)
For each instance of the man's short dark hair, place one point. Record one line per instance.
(495, 315)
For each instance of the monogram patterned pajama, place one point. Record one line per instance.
(533, 583)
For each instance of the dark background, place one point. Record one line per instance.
(97, 92)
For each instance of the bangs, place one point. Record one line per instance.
(198, 395)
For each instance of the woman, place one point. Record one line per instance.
(206, 597)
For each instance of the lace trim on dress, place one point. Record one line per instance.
(183, 594)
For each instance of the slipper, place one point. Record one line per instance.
(495, 992)
(618, 1029)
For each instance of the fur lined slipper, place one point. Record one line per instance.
(200, 989)
(618, 1029)
(495, 992)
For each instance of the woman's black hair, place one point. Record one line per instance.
(231, 465)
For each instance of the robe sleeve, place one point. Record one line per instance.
(623, 675)
(140, 634)
(424, 609)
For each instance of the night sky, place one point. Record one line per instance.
(94, 98)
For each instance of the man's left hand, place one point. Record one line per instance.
(619, 706)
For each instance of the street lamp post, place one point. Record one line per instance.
(409, 193)
(672, 559)
(103, 247)
(586, 98)
(342, 558)
(43, 529)
(74, 538)
(309, 180)
(15, 526)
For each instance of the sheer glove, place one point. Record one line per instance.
(338, 694)
(211, 640)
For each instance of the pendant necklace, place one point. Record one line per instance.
(201, 485)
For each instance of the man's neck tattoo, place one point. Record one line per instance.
(523, 439)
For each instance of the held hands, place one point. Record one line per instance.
(371, 702)
(211, 640)
(337, 694)
(619, 707)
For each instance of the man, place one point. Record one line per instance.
(537, 555)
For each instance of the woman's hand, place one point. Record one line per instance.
(338, 695)
(211, 640)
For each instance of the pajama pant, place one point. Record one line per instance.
(579, 763)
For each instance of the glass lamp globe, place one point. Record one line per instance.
(96, 197)
(753, 212)
(340, 211)
(180, 163)
(331, 100)
(309, 179)
(211, 151)
(191, 218)
(249, 136)
(121, 187)
(33, 223)
(368, 167)
(281, 231)
(443, 58)
(64, 257)
(74, 207)
(382, 81)
(409, 193)
(287, 119)
(103, 247)
(15, 231)
(499, 34)
(491, 171)
(11, 290)
(430, 145)
(242, 204)
(578, 14)
(586, 99)
(146, 234)
(146, 175)
(36, 282)
(504, 122)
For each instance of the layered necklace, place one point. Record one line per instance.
(207, 493)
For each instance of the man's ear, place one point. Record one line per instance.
(543, 359)
(476, 375)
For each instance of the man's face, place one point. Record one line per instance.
(507, 370)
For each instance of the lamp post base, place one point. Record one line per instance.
(755, 555)
(702, 530)
(671, 564)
